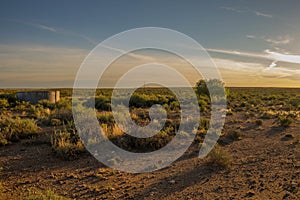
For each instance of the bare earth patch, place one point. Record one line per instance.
(265, 166)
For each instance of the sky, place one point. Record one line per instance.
(253, 43)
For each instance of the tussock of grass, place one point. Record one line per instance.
(220, 158)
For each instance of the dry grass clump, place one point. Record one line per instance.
(48, 195)
(66, 145)
(220, 158)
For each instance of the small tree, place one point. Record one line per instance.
(215, 85)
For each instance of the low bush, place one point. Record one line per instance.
(13, 129)
(55, 122)
(64, 114)
(285, 121)
(204, 123)
(220, 158)
(46, 104)
(48, 195)
(11, 99)
(66, 144)
(295, 102)
(39, 112)
(4, 103)
(105, 117)
(22, 106)
(258, 122)
(234, 135)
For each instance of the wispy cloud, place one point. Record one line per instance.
(279, 40)
(254, 12)
(55, 30)
(257, 13)
(267, 54)
(44, 27)
(283, 57)
(233, 9)
(236, 73)
(131, 54)
(250, 36)
(237, 53)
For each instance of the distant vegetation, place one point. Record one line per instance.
(21, 120)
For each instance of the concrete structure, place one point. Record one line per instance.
(34, 96)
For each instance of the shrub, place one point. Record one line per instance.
(204, 123)
(243, 104)
(64, 103)
(1, 186)
(22, 106)
(4, 103)
(55, 122)
(66, 145)
(285, 121)
(15, 129)
(49, 195)
(202, 103)
(105, 117)
(295, 101)
(46, 104)
(234, 135)
(11, 99)
(216, 86)
(174, 105)
(258, 122)
(64, 114)
(220, 158)
(3, 142)
(39, 111)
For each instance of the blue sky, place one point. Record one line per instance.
(42, 43)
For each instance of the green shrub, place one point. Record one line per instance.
(202, 103)
(295, 101)
(39, 112)
(3, 142)
(64, 103)
(105, 117)
(55, 122)
(13, 129)
(204, 123)
(22, 106)
(216, 87)
(46, 104)
(174, 105)
(285, 121)
(4, 103)
(11, 99)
